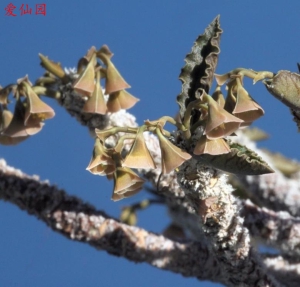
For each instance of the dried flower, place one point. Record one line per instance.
(114, 80)
(241, 104)
(139, 155)
(85, 84)
(120, 100)
(219, 122)
(213, 147)
(96, 103)
(101, 162)
(171, 155)
(126, 182)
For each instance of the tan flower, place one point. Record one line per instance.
(120, 100)
(213, 147)
(241, 104)
(17, 128)
(5, 120)
(101, 162)
(36, 110)
(96, 103)
(114, 80)
(126, 183)
(85, 84)
(171, 155)
(139, 155)
(219, 122)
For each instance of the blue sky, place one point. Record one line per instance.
(150, 40)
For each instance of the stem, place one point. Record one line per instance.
(188, 114)
(120, 144)
(46, 92)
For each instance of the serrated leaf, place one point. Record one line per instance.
(200, 65)
(240, 160)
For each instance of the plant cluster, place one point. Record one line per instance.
(203, 127)
(188, 165)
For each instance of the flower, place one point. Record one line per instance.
(5, 120)
(17, 128)
(85, 84)
(36, 110)
(120, 100)
(241, 104)
(96, 103)
(101, 162)
(171, 155)
(126, 183)
(213, 147)
(114, 80)
(139, 155)
(219, 122)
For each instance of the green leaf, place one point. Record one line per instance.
(240, 160)
(200, 65)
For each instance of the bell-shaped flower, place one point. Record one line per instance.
(135, 189)
(5, 120)
(102, 169)
(246, 108)
(101, 162)
(125, 180)
(96, 103)
(105, 50)
(219, 122)
(171, 155)
(17, 127)
(120, 100)
(222, 79)
(212, 147)
(52, 67)
(85, 84)
(114, 80)
(83, 62)
(36, 109)
(139, 155)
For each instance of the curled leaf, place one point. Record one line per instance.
(240, 160)
(200, 65)
(285, 86)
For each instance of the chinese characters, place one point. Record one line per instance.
(40, 9)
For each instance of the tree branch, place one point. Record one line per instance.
(285, 270)
(80, 221)
(278, 229)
